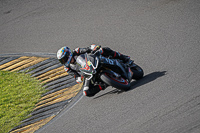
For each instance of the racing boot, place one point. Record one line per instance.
(130, 74)
(122, 57)
(128, 71)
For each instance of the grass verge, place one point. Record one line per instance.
(18, 95)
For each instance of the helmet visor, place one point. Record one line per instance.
(63, 60)
(66, 63)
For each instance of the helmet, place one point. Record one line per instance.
(64, 55)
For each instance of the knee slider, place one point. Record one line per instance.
(85, 89)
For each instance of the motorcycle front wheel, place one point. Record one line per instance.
(117, 82)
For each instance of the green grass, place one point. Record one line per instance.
(18, 95)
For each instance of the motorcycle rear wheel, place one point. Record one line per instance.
(138, 72)
(117, 82)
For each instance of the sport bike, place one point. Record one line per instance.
(113, 72)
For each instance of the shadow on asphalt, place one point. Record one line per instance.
(145, 80)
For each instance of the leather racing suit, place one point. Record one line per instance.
(89, 89)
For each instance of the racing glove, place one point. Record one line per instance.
(66, 69)
(79, 79)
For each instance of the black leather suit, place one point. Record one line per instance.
(91, 89)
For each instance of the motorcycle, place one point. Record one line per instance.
(113, 72)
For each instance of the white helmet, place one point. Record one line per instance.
(64, 55)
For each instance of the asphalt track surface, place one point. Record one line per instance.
(162, 36)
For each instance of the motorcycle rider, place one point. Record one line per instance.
(69, 59)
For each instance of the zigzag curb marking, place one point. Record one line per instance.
(61, 87)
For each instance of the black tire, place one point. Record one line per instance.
(119, 83)
(138, 72)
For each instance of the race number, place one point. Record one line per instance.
(110, 61)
